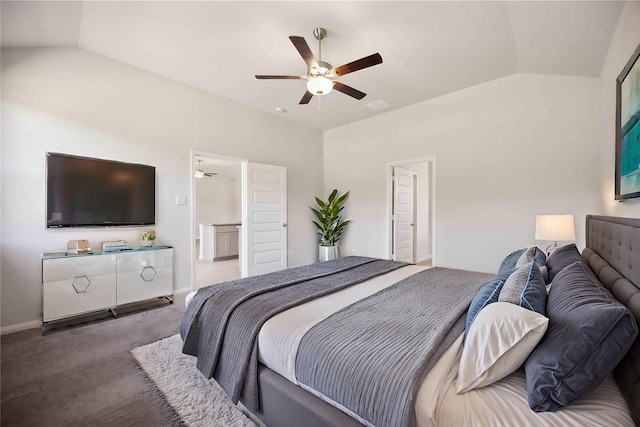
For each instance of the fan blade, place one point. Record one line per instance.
(306, 98)
(260, 77)
(303, 48)
(366, 62)
(210, 174)
(348, 90)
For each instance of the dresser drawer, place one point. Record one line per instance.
(68, 268)
(82, 294)
(144, 275)
(131, 287)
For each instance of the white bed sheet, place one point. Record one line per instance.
(501, 404)
(504, 403)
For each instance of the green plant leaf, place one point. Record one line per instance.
(330, 224)
(342, 198)
(320, 203)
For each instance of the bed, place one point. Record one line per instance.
(283, 378)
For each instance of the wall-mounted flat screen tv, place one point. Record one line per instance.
(86, 192)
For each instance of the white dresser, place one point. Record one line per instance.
(84, 283)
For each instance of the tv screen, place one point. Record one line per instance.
(85, 192)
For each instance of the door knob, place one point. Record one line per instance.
(284, 224)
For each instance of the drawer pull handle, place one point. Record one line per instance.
(81, 284)
(148, 274)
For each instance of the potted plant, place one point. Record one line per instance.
(147, 238)
(330, 224)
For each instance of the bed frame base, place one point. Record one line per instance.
(284, 404)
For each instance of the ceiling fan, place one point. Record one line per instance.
(199, 173)
(320, 74)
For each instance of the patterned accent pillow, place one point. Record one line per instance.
(534, 254)
(527, 256)
(527, 288)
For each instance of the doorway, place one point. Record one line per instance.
(217, 218)
(411, 210)
(238, 219)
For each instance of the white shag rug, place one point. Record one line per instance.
(198, 401)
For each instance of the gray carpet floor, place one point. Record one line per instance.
(85, 375)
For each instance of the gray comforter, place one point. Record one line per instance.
(350, 358)
(221, 324)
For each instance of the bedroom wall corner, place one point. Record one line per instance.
(624, 42)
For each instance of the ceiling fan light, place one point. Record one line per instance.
(319, 85)
(199, 174)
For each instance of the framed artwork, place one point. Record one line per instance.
(628, 130)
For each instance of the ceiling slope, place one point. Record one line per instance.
(429, 48)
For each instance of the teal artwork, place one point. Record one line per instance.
(628, 130)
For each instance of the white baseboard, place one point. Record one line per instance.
(32, 324)
(182, 291)
(181, 294)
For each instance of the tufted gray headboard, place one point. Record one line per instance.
(613, 252)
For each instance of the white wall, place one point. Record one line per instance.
(625, 41)
(218, 201)
(505, 150)
(72, 101)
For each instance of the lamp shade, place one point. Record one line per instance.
(555, 228)
(319, 85)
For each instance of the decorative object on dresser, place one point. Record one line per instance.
(147, 238)
(330, 224)
(78, 247)
(555, 228)
(114, 245)
(74, 285)
(627, 180)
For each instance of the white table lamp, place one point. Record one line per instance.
(555, 228)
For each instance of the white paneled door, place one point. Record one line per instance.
(403, 212)
(264, 219)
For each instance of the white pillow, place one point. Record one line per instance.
(498, 342)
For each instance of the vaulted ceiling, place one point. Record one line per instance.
(429, 48)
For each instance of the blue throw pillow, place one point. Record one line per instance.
(589, 333)
(526, 287)
(486, 295)
(508, 264)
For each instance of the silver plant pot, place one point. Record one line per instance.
(326, 253)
